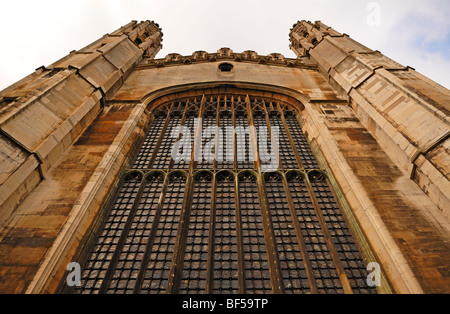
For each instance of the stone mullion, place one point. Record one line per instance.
(211, 240)
(253, 137)
(233, 119)
(272, 254)
(197, 138)
(216, 140)
(183, 227)
(161, 136)
(183, 120)
(334, 254)
(119, 247)
(177, 263)
(272, 140)
(291, 140)
(151, 238)
(300, 239)
(240, 248)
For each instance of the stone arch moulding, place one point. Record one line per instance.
(363, 214)
(57, 258)
(153, 96)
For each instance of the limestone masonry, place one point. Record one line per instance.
(380, 131)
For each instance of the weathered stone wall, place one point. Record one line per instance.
(299, 75)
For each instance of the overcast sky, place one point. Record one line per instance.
(35, 33)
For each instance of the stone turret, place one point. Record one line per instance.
(42, 114)
(405, 111)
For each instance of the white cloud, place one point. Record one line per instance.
(36, 33)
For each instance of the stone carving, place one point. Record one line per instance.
(226, 54)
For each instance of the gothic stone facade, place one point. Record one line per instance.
(378, 130)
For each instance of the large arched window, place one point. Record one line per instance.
(243, 208)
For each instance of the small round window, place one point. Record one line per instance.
(226, 67)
